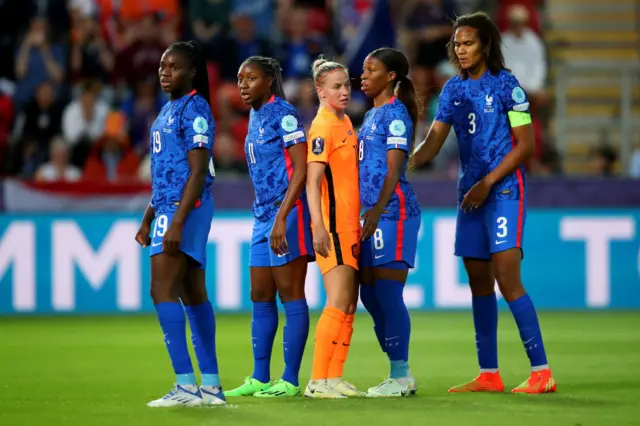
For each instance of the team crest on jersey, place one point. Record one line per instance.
(318, 146)
(289, 123)
(200, 125)
(488, 103)
(518, 96)
(397, 128)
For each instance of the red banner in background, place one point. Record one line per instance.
(21, 196)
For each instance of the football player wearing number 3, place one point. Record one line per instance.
(182, 174)
(490, 114)
(392, 216)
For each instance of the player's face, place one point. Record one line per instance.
(254, 85)
(375, 77)
(468, 47)
(174, 72)
(336, 89)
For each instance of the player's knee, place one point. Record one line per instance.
(259, 294)
(509, 283)
(161, 291)
(291, 293)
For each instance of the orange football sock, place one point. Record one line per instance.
(336, 366)
(327, 335)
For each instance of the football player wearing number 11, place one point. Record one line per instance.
(490, 114)
(182, 174)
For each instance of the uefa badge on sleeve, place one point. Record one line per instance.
(289, 123)
(318, 146)
(397, 128)
(200, 125)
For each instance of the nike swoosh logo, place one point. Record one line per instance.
(156, 244)
(501, 242)
(344, 140)
(528, 340)
(456, 103)
(379, 256)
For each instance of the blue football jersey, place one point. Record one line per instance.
(272, 129)
(384, 128)
(477, 110)
(182, 125)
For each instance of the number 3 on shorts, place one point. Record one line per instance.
(502, 227)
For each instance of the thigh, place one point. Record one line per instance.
(290, 279)
(194, 289)
(259, 250)
(345, 250)
(263, 285)
(506, 267)
(481, 277)
(341, 288)
(299, 238)
(471, 236)
(504, 221)
(392, 271)
(167, 276)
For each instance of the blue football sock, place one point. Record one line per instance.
(295, 336)
(203, 336)
(370, 301)
(527, 320)
(485, 321)
(397, 329)
(174, 327)
(263, 330)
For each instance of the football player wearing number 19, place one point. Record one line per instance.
(182, 174)
(392, 217)
(490, 114)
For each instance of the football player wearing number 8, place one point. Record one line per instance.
(182, 174)
(281, 246)
(392, 216)
(490, 114)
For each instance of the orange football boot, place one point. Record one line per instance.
(539, 382)
(485, 382)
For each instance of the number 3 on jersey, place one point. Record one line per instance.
(157, 143)
(472, 122)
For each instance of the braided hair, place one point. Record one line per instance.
(197, 61)
(271, 68)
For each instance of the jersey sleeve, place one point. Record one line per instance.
(290, 128)
(198, 125)
(398, 129)
(321, 144)
(445, 111)
(515, 101)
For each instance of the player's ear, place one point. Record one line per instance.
(270, 82)
(392, 76)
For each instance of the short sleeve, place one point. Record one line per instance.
(445, 112)
(290, 129)
(321, 144)
(198, 125)
(398, 129)
(514, 97)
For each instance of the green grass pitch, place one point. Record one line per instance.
(102, 370)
